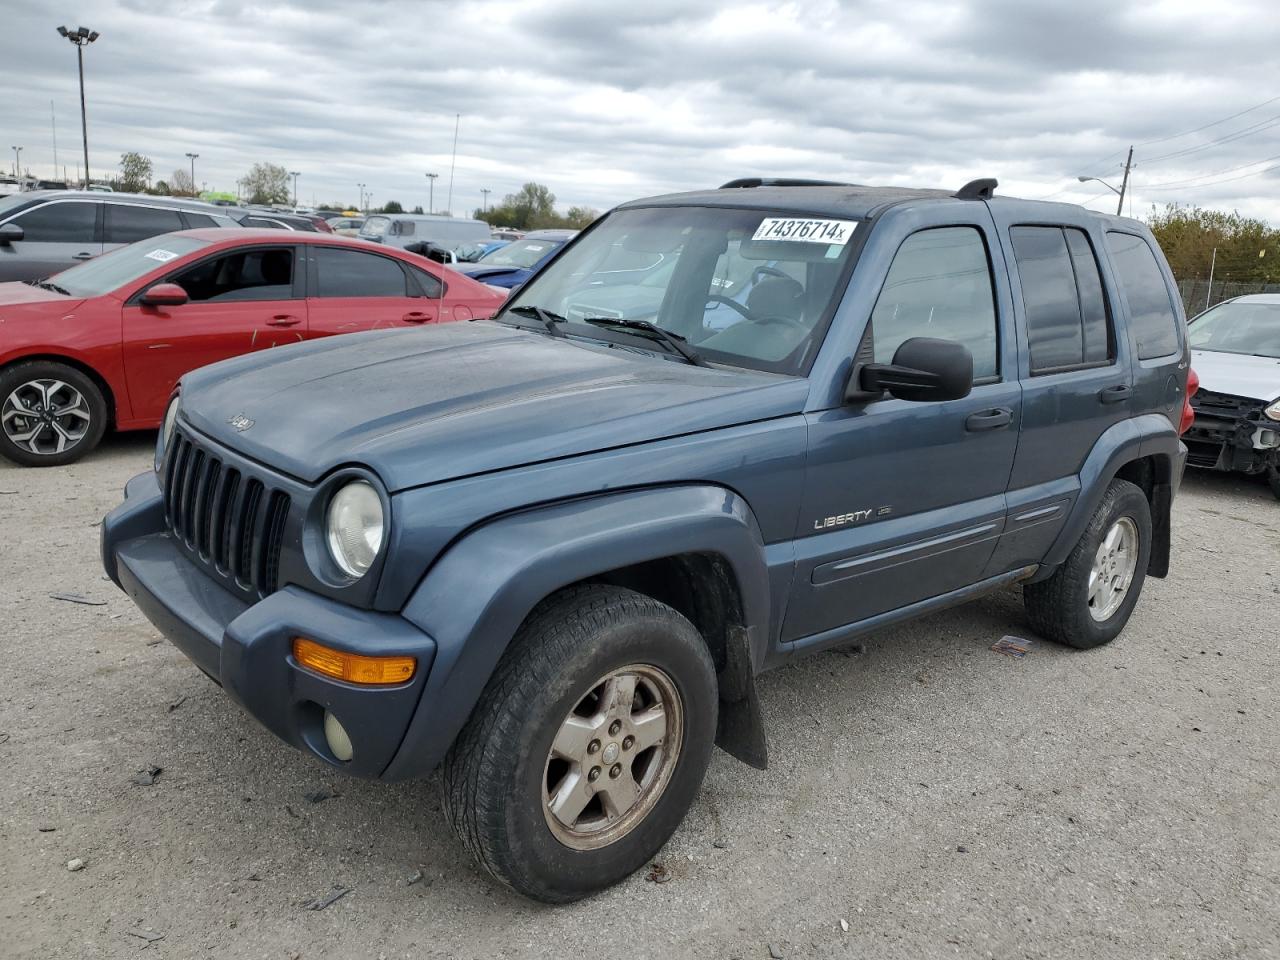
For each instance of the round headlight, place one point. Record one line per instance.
(1273, 411)
(166, 431)
(355, 527)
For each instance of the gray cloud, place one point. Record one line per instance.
(607, 102)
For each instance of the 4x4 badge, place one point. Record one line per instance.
(240, 422)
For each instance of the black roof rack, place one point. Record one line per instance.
(983, 189)
(743, 182)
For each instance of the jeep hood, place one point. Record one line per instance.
(1242, 376)
(427, 405)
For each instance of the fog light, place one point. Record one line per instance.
(335, 735)
(352, 667)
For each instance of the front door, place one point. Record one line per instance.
(246, 300)
(903, 500)
(58, 234)
(352, 290)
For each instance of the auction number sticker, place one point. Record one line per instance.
(804, 230)
(164, 256)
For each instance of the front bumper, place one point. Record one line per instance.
(1230, 433)
(247, 647)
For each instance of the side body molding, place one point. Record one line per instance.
(1149, 435)
(478, 593)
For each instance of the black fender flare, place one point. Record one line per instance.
(476, 595)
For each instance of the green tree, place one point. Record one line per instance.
(580, 217)
(417, 209)
(161, 189)
(267, 183)
(1247, 250)
(135, 172)
(392, 206)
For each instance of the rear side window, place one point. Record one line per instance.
(431, 285)
(1151, 313)
(939, 285)
(350, 273)
(195, 220)
(59, 223)
(1062, 298)
(126, 224)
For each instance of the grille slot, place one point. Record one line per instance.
(228, 520)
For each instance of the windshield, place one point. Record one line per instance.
(745, 287)
(375, 227)
(522, 254)
(1239, 327)
(112, 270)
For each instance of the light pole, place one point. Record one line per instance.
(295, 174)
(17, 162)
(192, 158)
(431, 197)
(82, 37)
(1124, 184)
(363, 208)
(486, 191)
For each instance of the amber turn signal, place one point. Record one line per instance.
(352, 667)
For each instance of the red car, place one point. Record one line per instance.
(102, 344)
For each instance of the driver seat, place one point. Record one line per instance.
(779, 298)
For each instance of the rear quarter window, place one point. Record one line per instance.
(1151, 313)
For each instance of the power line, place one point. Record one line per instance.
(1246, 176)
(1229, 138)
(1187, 181)
(1187, 133)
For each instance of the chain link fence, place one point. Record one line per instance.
(1198, 297)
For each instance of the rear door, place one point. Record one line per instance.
(129, 222)
(58, 234)
(354, 290)
(903, 500)
(1075, 371)
(250, 298)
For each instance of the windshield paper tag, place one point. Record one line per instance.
(164, 256)
(835, 232)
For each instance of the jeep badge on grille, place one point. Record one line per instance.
(240, 422)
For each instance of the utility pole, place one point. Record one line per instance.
(17, 163)
(1212, 263)
(53, 125)
(363, 207)
(82, 37)
(295, 174)
(486, 191)
(431, 196)
(457, 119)
(192, 157)
(1124, 184)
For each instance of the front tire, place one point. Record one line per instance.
(588, 745)
(50, 414)
(1273, 476)
(1088, 600)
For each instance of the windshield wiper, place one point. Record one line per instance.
(549, 319)
(46, 285)
(651, 331)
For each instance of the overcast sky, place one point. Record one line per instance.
(605, 102)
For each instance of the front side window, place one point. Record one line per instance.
(256, 274)
(939, 285)
(402, 228)
(127, 223)
(350, 273)
(1151, 312)
(117, 268)
(1240, 326)
(1066, 314)
(667, 266)
(71, 222)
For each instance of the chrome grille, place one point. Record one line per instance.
(230, 521)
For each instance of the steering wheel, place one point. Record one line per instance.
(729, 302)
(766, 271)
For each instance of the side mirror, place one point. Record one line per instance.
(165, 295)
(923, 369)
(11, 233)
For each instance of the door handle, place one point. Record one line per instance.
(82, 256)
(416, 316)
(1121, 391)
(283, 320)
(993, 419)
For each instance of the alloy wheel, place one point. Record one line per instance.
(45, 417)
(1113, 568)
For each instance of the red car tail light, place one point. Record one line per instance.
(1188, 414)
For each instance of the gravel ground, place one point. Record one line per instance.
(939, 799)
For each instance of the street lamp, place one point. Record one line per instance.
(81, 37)
(17, 162)
(431, 198)
(363, 208)
(192, 158)
(486, 191)
(295, 174)
(1115, 190)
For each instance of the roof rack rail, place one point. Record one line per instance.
(983, 189)
(744, 182)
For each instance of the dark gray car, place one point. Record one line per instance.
(43, 232)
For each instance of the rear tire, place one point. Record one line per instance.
(50, 414)
(1088, 600)
(560, 722)
(1273, 477)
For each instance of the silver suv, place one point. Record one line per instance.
(45, 231)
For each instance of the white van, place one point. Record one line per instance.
(402, 229)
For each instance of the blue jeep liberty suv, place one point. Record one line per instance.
(552, 551)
